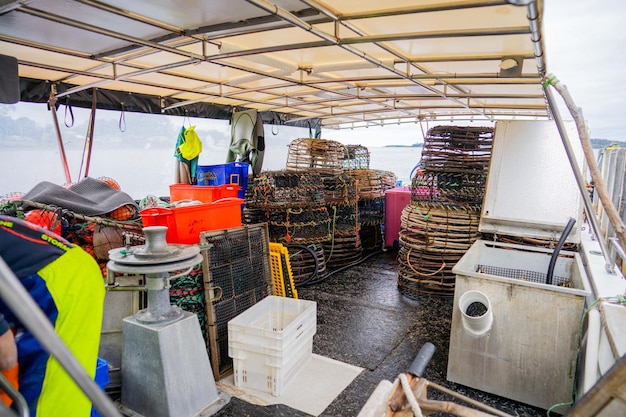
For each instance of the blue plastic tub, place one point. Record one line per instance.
(230, 173)
(102, 379)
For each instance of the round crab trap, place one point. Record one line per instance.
(371, 211)
(303, 264)
(339, 189)
(389, 179)
(356, 157)
(344, 248)
(369, 182)
(302, 225)
(453, 166)
(371, 237)
(250, 215)
(433, 239)
(321, 154)
(279, 189)
(342, 216)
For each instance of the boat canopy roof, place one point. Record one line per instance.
(334, 63)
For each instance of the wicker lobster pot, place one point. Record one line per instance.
(433, 239)
(389, 179)
(454, 165)
(371, 237)
(369, 182)
(344, 248)
(301, 225)
(321, 154)
(339, 189)
(274, 190)
(292, 203)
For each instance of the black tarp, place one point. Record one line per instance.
(38, 91)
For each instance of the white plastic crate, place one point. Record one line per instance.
(271, 341)
(277, 357)
(268, 373)
(274, 323)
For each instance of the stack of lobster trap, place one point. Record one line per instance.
(326, 199)
(441, 223)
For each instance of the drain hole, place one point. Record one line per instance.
(476, 309)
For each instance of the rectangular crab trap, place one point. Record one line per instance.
(237, 275)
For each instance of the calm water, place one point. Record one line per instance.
(150, 170)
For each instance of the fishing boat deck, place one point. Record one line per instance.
(364, 320)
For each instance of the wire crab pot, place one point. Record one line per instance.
(372, 211)
(279, 189)
(343, 216)
(321, 154)
(433, 239)
(371, 237)
(302, 225)
(356, 157)
(237, 275)
(339, 189)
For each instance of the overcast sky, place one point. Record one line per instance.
(586, 50)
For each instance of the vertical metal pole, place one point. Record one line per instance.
(579, 178)
(52, 101)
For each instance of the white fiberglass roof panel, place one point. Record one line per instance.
(49, 58)
(66, 24)
(452, 21)
(465, 46)
(350, 7)
(287, 51)
(197, 13)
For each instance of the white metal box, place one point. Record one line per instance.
(523, 343)
(525, 348)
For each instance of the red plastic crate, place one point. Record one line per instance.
(203, 193)
(184, 224)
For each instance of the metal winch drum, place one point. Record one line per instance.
(159, 381)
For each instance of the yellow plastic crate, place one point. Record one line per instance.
(282, 277)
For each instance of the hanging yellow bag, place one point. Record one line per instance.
(192, 145)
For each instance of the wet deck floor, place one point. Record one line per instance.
(363, 320)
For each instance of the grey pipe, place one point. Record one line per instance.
(28, 312)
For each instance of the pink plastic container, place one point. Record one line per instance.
(396, 200)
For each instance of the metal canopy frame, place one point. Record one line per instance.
(345, 63)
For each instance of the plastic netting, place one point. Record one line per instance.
(356, 157)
